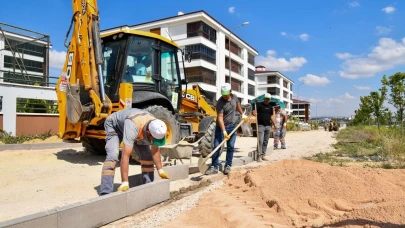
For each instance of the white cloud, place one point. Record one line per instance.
(313, 80)
(381, 30)
(348, 96)
(304, 37)
(271, 62)
(335, 100)
(388, 9)
(362, 87)
(283, 33)
(345, 55)
(387, 55)
(354, 4)
(57, 59)
(231, 9)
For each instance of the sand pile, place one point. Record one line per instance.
(52, 139)
(300, 193)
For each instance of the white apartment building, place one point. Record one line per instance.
(275, 83)
(209, 41)
(23, 58)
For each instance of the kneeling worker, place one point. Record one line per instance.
(139, 130)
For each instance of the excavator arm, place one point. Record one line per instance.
(80, 89)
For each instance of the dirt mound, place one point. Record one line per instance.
(302, 193)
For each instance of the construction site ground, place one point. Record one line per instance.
(273, 193)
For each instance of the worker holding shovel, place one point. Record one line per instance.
(226, 109)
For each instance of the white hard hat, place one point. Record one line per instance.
(158, 129)
(225, 89)
(267, 95)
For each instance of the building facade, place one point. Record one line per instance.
(275, 83)
(301, 109)
(209, 42)
(24, 59)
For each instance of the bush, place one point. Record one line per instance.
(7, 138)
(314, 125)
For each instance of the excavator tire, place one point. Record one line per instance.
(94, 146)
(207, 142)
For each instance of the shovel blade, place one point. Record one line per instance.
(201, 165)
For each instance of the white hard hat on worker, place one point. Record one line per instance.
(158, 129)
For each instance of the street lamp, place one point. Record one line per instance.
(299, 100)
(229, 48)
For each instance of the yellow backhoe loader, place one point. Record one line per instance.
(122, 69)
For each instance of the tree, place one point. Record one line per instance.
(397, 95)
(363, 114)
(377, 101)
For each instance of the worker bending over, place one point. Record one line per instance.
(138, 129)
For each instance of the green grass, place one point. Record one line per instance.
(364, 144)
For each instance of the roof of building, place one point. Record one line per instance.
(182, 15)
(300, 101)
(272, 71)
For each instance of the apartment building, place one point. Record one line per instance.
(209, 42)
(24, 55)
(275, 83)
(301, 109)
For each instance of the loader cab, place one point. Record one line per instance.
(148, 61)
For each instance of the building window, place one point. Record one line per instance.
(203, 52)
(235, 49)
(251, 74)
(25, 64)
(155, 30)
(201, 74)
(273, 80)
(251, 59)
(25, 48)
(236, 85)
(285, 84)
(290, 96)
(251, 90)
(291, 89)
(274, 91)
(285, 94)
(235, 66)
(200, 28)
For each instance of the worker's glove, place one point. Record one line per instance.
(226, 136)
(163, 174)
(284, 125)
(244, 117)
(124, 186)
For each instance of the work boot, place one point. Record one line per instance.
(264, 158)
(259, 159)
(211, 171)
(283, 147)
(227, 169)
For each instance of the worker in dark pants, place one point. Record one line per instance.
(139, 130)
(226, 109)
(264, 112)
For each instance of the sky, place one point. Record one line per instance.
(339, 49)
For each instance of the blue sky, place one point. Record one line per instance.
(339, 49)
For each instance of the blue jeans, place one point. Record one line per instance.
(230, 145)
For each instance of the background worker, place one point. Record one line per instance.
(264, 112)
(280, 127)
(226, 108)
(139, 130)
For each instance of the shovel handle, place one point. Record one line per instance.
(223, 141)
